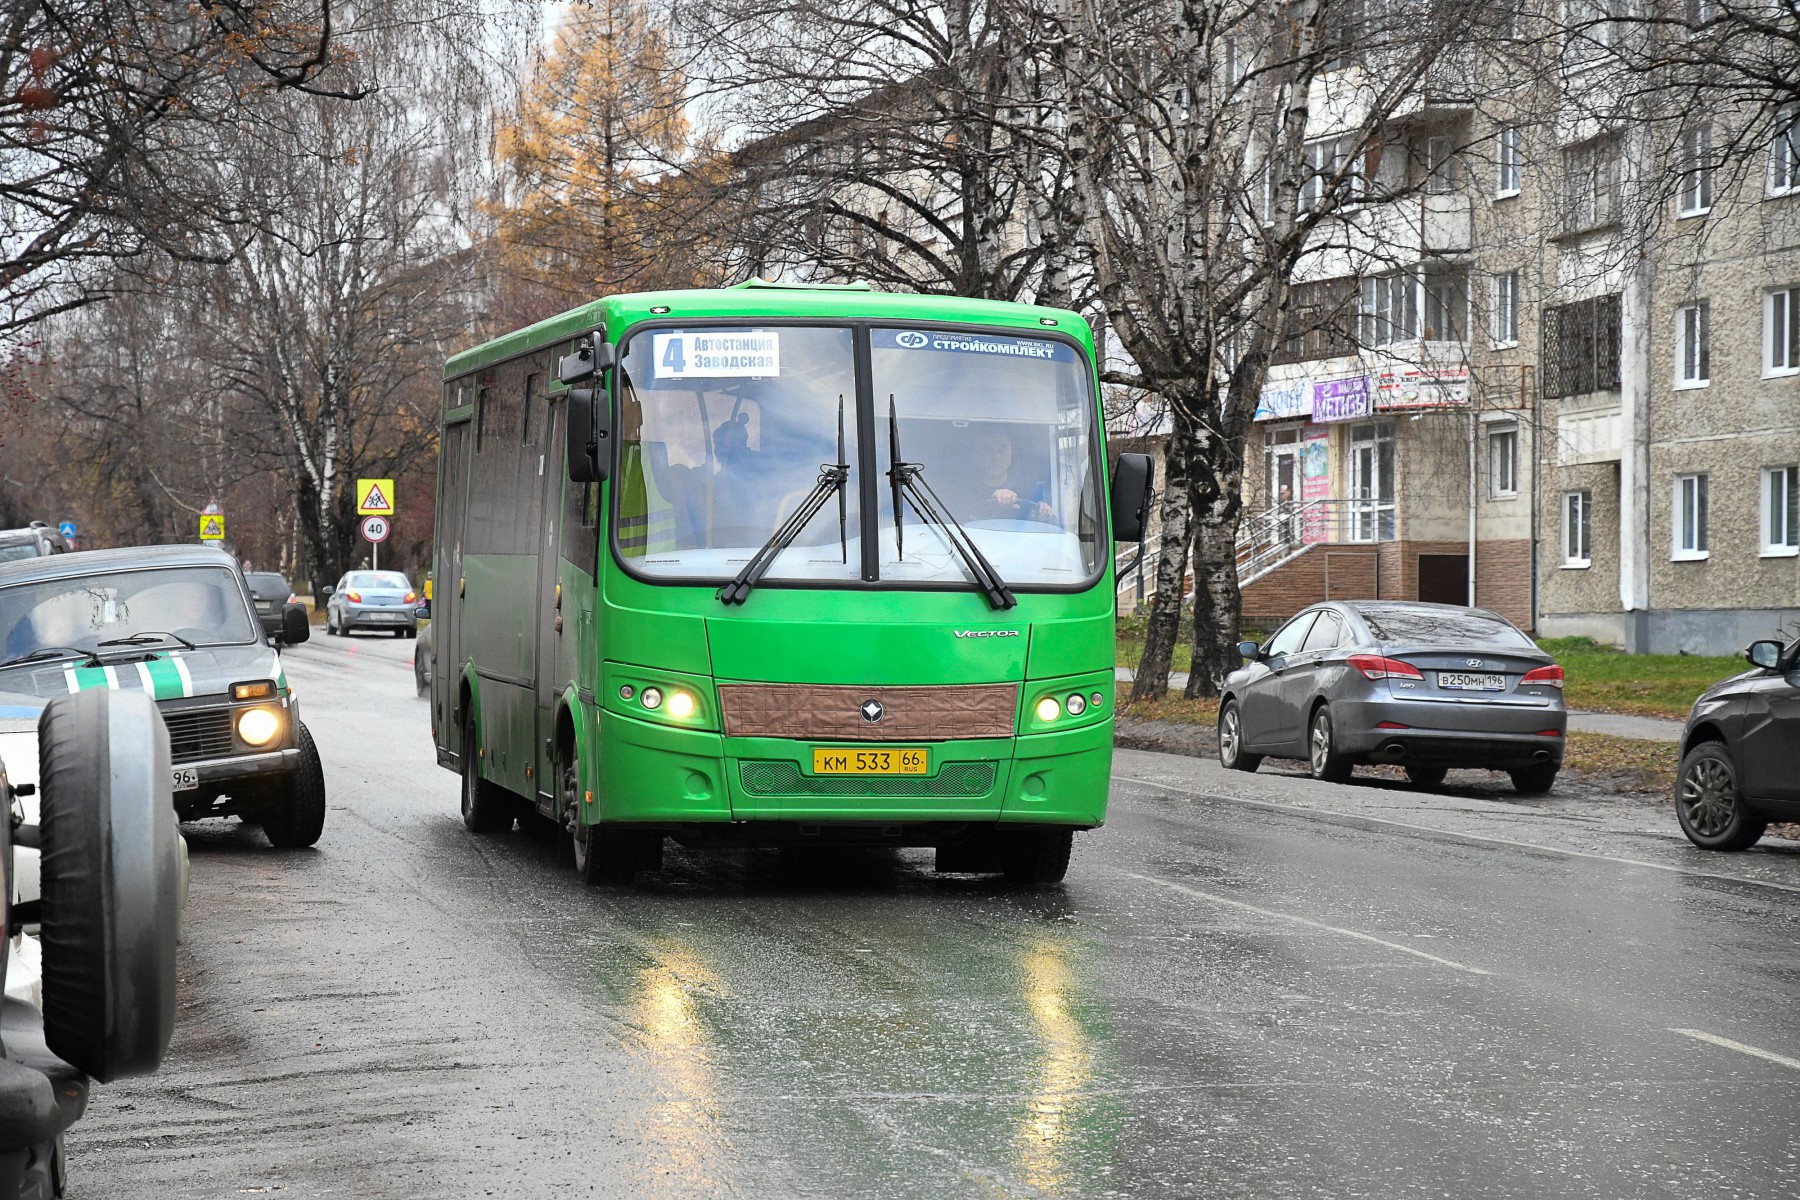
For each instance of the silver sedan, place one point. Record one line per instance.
(1427, 686)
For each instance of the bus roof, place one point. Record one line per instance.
(758, 298)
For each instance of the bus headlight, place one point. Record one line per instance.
(1077, 705)
(651, 697)
(258, 726)
(681, 705)
(1048, 709)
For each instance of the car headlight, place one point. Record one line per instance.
(258, 726)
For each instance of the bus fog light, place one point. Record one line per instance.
(1048, 709)
(258, 726)
(1099, 699)
(627, 692)
(1076, 705)
(681, 705)
(652, 697)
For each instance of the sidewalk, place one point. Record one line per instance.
(1646, 729)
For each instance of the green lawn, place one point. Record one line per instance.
(1598, 677)
(1651, 685)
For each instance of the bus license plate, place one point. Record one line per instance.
(1459, 681)
(186, 779)
(871, 760)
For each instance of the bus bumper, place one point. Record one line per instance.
(652, 774)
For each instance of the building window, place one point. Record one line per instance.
(1320, 322)
(1503, 462)
(1329, 172)
(1506, 309)
(1591, 32)
(1590, 185)
(1446, 302)
(1784, 153)
(1577, 529)
(1390, 309)
(1440, 165)
(1507, 161)
(1781, 331)
(1693, 345)
(1781, 511)
(1696, 173)
(1580, 350)
(1690, 517)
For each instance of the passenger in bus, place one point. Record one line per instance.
(995, 490)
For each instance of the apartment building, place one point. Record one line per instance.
(1566, 390)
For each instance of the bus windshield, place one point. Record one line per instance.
(724, 430)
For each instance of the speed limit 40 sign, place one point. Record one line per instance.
(375, 529)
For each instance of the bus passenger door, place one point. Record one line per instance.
(446, 590)
(549, 636)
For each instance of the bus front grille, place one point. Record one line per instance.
(197, 735)
(786, 779)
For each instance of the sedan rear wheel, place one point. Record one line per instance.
(1321, 749)
(1709, 805)
(1231, 740)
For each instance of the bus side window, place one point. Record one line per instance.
(532, 388)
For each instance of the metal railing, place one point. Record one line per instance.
(1276, 536)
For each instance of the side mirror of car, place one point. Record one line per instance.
(328, 590)
(1133, 478)
(1250, 651)
(296, 625)
(1766, 655)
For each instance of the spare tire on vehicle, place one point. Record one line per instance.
(111, 906)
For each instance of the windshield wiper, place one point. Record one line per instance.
(908, 482)
(45, 652)
(832, 478)
(148, 635)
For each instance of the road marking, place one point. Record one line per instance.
(1700, 1035)
(1302, 810)
(1308, 922)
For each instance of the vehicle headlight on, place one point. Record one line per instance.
(258, 726)
(1048, 709)
(681, 705)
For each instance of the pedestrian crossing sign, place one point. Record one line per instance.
(374, 497)
(212, 527)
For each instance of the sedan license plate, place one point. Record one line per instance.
(870, 760)
(1462, 681)
(186, 779)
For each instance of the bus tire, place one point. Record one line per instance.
(293, 816)
(1036, 857)
(485, 806)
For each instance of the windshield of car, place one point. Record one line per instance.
(203, 605)
(1441, 627)
(1003, 429)
(722, 435)
(378, 580)
(16, 550)
(268, 585)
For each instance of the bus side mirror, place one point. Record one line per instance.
(1133, 477)
(591, 357)
(589, 427)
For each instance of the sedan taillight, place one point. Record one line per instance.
(353, 597)
(411, 598)
(1550, 676)
(1374, 666)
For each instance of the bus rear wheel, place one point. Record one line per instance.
(484, 804)
(1036, 857)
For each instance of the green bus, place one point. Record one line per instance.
(781, 565)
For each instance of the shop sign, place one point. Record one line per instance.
(1341, 399)
(1411, 386)
(1282, 400)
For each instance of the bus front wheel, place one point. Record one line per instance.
(1036, 857)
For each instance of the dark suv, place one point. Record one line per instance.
(178, 623)
(1740, 752)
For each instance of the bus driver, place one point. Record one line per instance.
(992, 492)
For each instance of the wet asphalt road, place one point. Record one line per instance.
(1232, 996)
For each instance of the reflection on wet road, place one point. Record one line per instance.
(1224, 1000)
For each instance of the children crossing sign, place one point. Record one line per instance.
(374, 497)
(212, 522)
